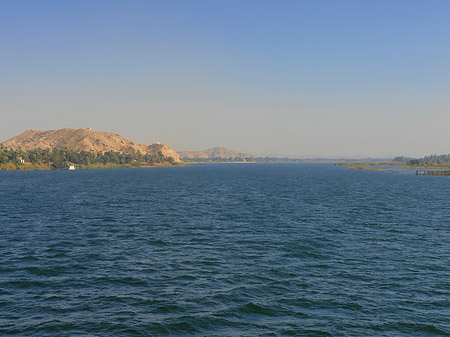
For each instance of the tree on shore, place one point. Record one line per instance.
(58, 158)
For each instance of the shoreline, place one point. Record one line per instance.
(382, 166)
(45, 167)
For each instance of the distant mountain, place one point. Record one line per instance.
(85, 140)
(216, 153)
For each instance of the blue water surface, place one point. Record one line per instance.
(224, 250)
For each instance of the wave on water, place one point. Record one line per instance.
(224, 250)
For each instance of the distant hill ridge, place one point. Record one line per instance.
(214, 153)
(85, 140)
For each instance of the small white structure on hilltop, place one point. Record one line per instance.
(89, 128)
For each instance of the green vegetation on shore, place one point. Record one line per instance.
(432, 162)
(59, 158)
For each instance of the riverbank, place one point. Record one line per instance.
(43, 167)
(381, 166)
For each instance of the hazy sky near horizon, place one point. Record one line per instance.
(298, 78)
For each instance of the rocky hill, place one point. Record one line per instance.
(85, 140)
(214, 153)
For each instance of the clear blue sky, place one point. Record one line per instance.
(298, 78)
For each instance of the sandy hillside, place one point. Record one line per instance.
(85, 139)
(216, 152)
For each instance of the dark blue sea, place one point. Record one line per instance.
(224, 250)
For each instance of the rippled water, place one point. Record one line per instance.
(224, 250)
